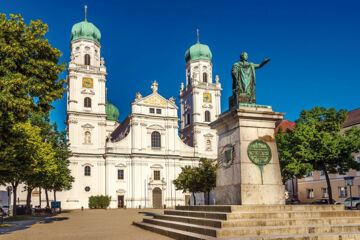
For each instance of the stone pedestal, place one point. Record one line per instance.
(239, 180)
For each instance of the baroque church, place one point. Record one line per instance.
(134, 161)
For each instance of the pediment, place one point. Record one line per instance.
(155, 100)
(87, 125)
(208, 135)
(156, 166)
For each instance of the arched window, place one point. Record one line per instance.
(205, 77)
(87, 171)
(155, 139)
(87, 102)
(87, 59)
(87, 137)
(188, 119)
(207, 116)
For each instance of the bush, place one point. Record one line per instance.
(99, 201)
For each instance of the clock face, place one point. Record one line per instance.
(87, 82)
(207, 97)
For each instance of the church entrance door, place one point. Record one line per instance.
(157, 198)
(120, 201)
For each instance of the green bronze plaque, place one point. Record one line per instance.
(259, 153)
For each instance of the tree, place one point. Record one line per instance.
(188, 181)
(29, 83)
(318, 143)
(29, 69)
(28, 157)
(197, 179)
(206, 173)
(60, 179)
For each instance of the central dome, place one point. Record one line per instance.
(112, 113)
(85, 30)
(198, 51)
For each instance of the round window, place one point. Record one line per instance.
(87, 188)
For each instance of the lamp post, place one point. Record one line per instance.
(349, 182)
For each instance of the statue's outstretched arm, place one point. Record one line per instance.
(261, 64)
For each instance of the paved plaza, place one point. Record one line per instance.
(87, 224)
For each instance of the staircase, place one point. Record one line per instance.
(280, 222)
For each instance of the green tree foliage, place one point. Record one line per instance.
(29, 83)
(29, 69)
(197, 179)
(27, 159)
(60, 179)
(319, 143)
(99, 201)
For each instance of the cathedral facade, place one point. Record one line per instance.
(134, 161)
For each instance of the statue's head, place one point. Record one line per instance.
(244, 56)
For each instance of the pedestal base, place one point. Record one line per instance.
(239, 180)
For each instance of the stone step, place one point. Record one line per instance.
(290, 222)
(260, 208)
(260, 222)
(255, 231)
(191, 220)
(183, 235)
(199, 229)
(323, 236)
(263, 215)
(199, 214)
(289, 214)
(172, 233)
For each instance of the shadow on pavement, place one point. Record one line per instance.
(21, 225)
(147, 213)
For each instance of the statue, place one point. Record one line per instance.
(243, 75)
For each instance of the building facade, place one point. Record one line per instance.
(135, 161)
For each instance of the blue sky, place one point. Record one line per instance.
(314, 46)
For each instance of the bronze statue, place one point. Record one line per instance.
(243, 75)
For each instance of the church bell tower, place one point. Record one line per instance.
(200, 101)
(86, 116)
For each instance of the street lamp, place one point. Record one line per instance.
(349, 182)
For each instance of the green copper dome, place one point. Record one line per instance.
(198, 51)
(112, 113)
(85, 30)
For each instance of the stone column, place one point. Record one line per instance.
(239, 180)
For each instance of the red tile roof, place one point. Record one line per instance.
(285, 124)
(353, 118)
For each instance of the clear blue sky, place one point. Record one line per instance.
(314, 46)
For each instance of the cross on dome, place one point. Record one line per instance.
(154, 86)
(85, 12)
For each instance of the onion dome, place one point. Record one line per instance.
(198, 51)
(112, 113)
(85, 30)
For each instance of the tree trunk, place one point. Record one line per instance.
(328, 187)
(47, 198)
(194, 199)
(14, 186)
(28, 200)
(39, 197)
(293, 188)
(208, 198)
(54, 196)
(205, 199)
